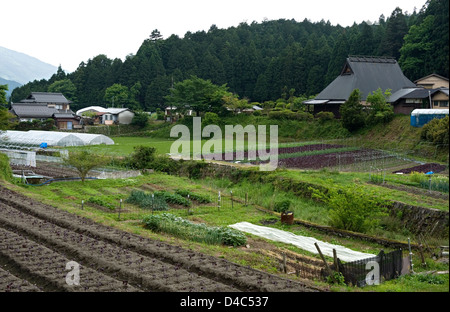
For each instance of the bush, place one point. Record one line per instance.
(142, 157)
(351, 209)
(290, 115)
(282, 206)
(140, 119)
(325, 116)
(436, 131)
(210, 119)
(163, 163)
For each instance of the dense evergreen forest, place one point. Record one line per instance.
(258, 61)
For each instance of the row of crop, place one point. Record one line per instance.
(159, 200)
(198, 232)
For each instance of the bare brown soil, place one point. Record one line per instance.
(37, 241)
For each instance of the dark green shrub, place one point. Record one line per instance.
(352, 209)
(324, 116)
(142, 157)
(282, 206)
(436, 131)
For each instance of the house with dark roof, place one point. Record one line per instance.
(367, 74)
(44, 105)
(408, 99)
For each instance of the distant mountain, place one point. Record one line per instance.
(22, 68)
(11, 85)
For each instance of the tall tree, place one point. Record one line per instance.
(396, 29)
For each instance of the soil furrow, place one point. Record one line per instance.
(28, 257)
(12, 283)
(104, 255)
(228, 275)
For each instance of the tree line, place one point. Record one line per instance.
(258, 61)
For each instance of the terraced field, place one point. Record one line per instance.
(38, 244)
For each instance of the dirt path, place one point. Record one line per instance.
(37, 241)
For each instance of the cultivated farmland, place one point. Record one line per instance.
(37, 242)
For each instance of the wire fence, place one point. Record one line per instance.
(373, 271)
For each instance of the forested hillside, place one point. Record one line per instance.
(257, 61)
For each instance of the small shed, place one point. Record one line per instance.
(420, 117)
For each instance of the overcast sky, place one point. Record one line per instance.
(67, 32)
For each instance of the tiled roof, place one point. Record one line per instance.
(46, 97)
(39, 110)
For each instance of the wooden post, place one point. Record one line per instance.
(218, 202)
(153, 201)
(246, 199)
(82, 204)
(336, 264)
(231, 196)
(284, 263)
(189, 205)
(120, 207)
(324, 261)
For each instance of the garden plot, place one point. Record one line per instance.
(324, 155)
(40, 240)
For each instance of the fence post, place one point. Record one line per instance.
(324, 261)
(218, 202)
(153, 198)
(231, 196)
(120, 208)
(336, 264)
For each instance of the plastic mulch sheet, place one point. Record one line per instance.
(302, 242)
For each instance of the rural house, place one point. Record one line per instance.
(433, 81)
(108, 116)
(44, 105)
(367, 74)
(431, 92)
(408, 99)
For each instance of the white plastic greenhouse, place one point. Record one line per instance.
(51, 138)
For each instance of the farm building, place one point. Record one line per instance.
(367, 74)
(44, 105)
(408, 99)
(17, 139)
(108, 116)
(420, 117)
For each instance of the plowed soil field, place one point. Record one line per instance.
(38, 242)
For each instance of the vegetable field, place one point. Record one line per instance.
(37, 242)
(333, 156)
